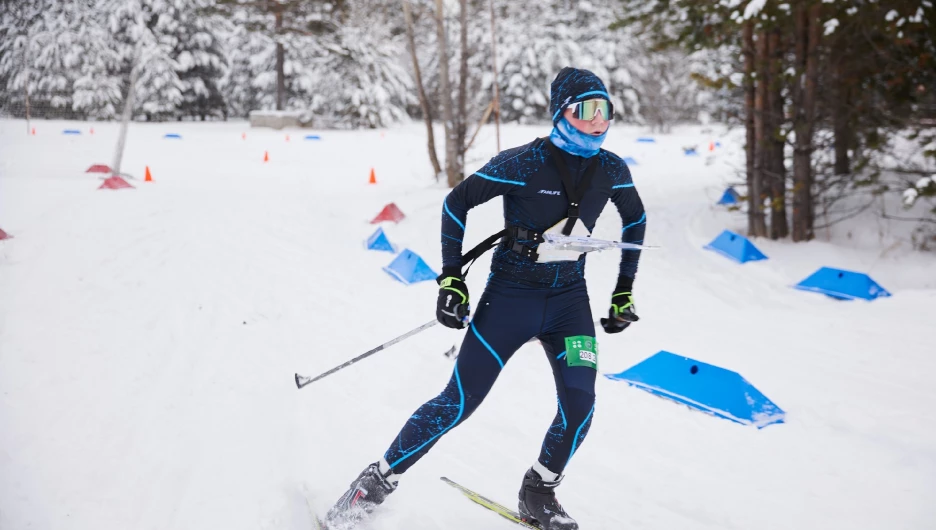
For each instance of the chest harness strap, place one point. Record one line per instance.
(517, 238)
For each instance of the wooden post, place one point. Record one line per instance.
(280, 61)
(445, 87)
(26, 74)
(496, 86)
(423, 100)
(749, 147)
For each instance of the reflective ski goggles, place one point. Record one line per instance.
(588, 109)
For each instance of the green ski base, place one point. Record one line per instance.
(499, 509)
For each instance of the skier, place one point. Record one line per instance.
(558, 184)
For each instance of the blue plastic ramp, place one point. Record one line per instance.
(701, 386)
(735, 247)
(313, 137)
(378, 241)
(71, 131)
(730, 197)
(646, 140)
(409, 268)
(842, 284)
(173, 136)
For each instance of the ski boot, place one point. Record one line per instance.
(538, 504)
(366, 492)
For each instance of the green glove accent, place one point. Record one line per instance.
(623, 304)
(446, 284)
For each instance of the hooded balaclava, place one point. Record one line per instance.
(569, 86)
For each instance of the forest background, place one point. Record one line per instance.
(836, 97)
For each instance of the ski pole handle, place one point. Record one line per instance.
(302, 380)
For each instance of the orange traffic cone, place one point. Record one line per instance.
(34, 131)
(287, 137)
(243, 136)
(149, 176)
(266, 156)
(373, 177)
(92, 130)
(711, 146)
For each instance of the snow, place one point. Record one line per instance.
(754, 8)
(148, 340)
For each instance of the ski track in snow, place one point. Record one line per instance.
(148, 340)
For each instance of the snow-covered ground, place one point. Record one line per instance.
(148, 340)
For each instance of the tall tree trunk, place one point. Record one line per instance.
(749, 147)
(841, 116)
(812, 97)
(462, 118)
(280, 60)
(423, 100)
(760, 133)
(495, 83)
(807, 42)
(776, 170)
(445, 87)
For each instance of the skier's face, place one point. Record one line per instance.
(595, 126)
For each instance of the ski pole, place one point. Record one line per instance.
(302, 380)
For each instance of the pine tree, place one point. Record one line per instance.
(362, 82)
(291, 25)
(250, 56)
(40, 56)
(97, 89)
(202, 60)
(148, 35)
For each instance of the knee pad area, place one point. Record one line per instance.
(578, 406)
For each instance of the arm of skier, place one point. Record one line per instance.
(634, 221)
(477, 189)
(452, 306)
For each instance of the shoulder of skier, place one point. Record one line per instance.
(616, 170)
(516, 165)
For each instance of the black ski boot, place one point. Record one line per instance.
(538, 503)
(365, 493)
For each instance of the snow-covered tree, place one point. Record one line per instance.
(362, 81)
(41, 54)
(97, 89)
(202, 60)
(250, 56)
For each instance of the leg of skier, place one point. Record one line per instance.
(569, 340)
(507, 316)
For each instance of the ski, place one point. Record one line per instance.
(317, 523)
(499, 509)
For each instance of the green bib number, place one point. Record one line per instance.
(582, 350)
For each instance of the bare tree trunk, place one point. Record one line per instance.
(496, 85)
(807, 41)
(423, 100)
(445, 87)
(280, 60)
(26, 69)
(461, 119)
(749, 147)
(841, 122)
(776, 170)
(812, 96)
(760, 133)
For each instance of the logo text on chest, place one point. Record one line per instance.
(549, 192)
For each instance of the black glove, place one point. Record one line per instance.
(452, 307)
(621, 314)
